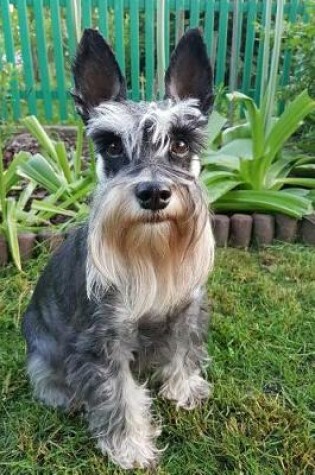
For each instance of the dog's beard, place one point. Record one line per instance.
(155, 261)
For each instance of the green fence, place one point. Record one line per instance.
(38, 37)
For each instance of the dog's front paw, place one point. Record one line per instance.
(188, 393)
(135, 450)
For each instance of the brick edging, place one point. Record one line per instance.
(243, 230)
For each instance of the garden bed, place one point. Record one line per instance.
(22, 140)
(243, 230)
(237, 230)
(51, 173)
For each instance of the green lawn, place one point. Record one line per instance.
(259, 420)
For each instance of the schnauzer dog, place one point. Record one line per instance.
(124, 294)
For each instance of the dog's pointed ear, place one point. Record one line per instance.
(189, 74)
(97, 76)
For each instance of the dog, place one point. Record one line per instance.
(123, 297)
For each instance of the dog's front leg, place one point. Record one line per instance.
(118, 408)
(184, 356)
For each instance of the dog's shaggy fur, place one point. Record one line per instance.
(123, 295)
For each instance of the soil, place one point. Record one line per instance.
(23, 140)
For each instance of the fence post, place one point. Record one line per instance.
(76, 14)
(160, 47)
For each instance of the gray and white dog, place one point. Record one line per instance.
(123, 295)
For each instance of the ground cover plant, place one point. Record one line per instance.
(259, 420)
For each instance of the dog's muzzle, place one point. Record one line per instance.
(153, 195)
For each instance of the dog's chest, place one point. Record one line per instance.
(152, 333)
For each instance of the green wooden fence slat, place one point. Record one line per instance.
(86, 14)
(42, 58)
(240, 29)
(58, 55)
(10, 57)
(27, 56)
(134, 46)
(119, 33)
(180, 19)
(149, 49)
(209, 26)
(194, 13)
(223, 23)
(102, 12)
(167, 32)
(288, 54)
(3, 103)
(249, 48)
(260, 59)
(71, 33)
(236, 31)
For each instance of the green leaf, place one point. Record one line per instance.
(303, 182)
(11, 177)
(256, 122)
(287, 124)
(79, 191)
(279, 169)
(219, 188)
(41, 172)
(265, 200)
(246, 172)
(63, 160)
(221, 160)
(78, 150)
(308, 167)
(212, 176)
(298, 192)
(12, 234)
(241, 131)
(38, 131)
(25, 195)
(215, 125)
(3, 203)
(242, 148)
(47, 207)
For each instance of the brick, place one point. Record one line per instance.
(307, 230)
(26, 245)
(286, 228)
(221, 229)
(51, 240)
(263, 229)
(241, 230)
(3, 251)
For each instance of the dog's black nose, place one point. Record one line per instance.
(153, 195)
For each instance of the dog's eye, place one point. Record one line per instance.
(115, 148)
(179, 149)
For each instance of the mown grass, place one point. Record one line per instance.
(259, 419)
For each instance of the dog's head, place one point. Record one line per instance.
(149, 205)
(130, 135)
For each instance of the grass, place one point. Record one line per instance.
(259, 420)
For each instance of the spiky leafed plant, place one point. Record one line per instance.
(246, 168)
